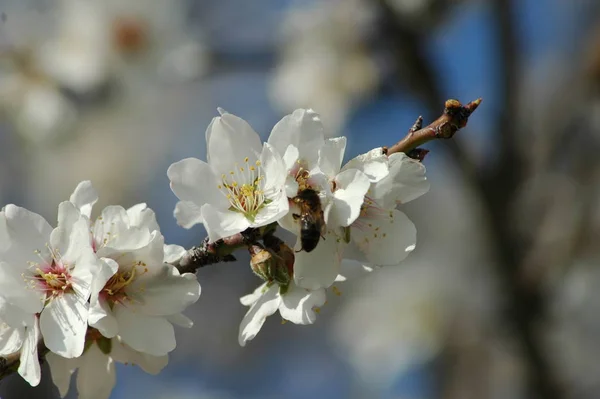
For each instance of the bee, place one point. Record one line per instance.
(312, 222)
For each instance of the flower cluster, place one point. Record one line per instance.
(341, 214)
(98, 291)
(95, 291)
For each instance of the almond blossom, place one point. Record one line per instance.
(96, 375)
(48, 272)
(137, 295)
(240, 186)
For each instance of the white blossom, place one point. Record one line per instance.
(137, 294)
(314, 162)
(294, 303)
(383, 235)
(96, 376)
(48, 272)
(241, 185)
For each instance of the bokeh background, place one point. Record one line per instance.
(501, 298)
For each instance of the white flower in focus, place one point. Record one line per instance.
(20, 333)
(48, 272)
(96, 376)
(241, 186)
(313, 162)
(294, 303)
(382, 235)
(137, 294)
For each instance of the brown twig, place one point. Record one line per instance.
(455, 117)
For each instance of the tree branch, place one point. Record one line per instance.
(455, 117)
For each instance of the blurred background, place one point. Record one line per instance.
(501, 298)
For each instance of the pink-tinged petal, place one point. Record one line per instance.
(16, 291)
(195, 181)
(220, 224)
(344, 207)
(254, 319)
(229, 140)
(96, 376)
(142, 217)
(101, 318)
(29, 365)
(151, 335)
(63, 323)
(297, 305)
(187, 214)
(385, 240)
(84, 197)
(374, 164)
(173, 253)
(23, 232)
(405, 182)
(166, 293)
(61, 369)
(302, 129)
(331, 155)
(250, 299)
(318, 268)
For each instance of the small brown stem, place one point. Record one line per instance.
(455, 117)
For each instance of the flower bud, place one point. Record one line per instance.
(268, 265)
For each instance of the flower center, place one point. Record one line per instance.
(54, 278)
(116, 288)
(244, 189)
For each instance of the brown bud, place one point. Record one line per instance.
(268, 265)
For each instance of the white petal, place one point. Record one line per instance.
(273, 168)
(290, 156)
(11, 338)
(180, 320)
(405, 182)
(173, 253)
(112, 231)
(68, 215)
(152, 335)
(143, 217)
(331, 155)
(70, 242)
(29, 365)
(82, 275)
(291, 187)
(220, 224)
(101, 318)
(250, 299)
(106, 269)
(304, 130)
(122, 353)
(344, 206)
(254, 319)
(272, 212)
(385, 240)
(229, 140)
(14, 315)
(61, 369)
(63, 323)
(318, 268)
(298, 303)
(16, 292)
(24, 233)
(374, 164)
(84, 197)
(96, 375)
(187, 214)
(352, 269)
(166, 293)
(196, 181)
(151, 255)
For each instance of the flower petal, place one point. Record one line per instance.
(318, 268)
(385, 240)
(344, 207)
(273, 168)
(122, 353)
(272, 212)
(405, 182)
(61, 369)
(254, 319)
(374, 164)
(113, 232)
(29, 364)
(173, 253)
(302, 129)
(63, 323)
(16, 291)
(151, 335)
(220, 224)
(180, 320)
(102, 318)
(96, 376)
(229, 140)
(352, 269)
(11, 338)
(84, 197)
(297, 305)
(22, 233)
(195, 181)
(250, 299)
(142, 217)
(187, 214)
(331, 155)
